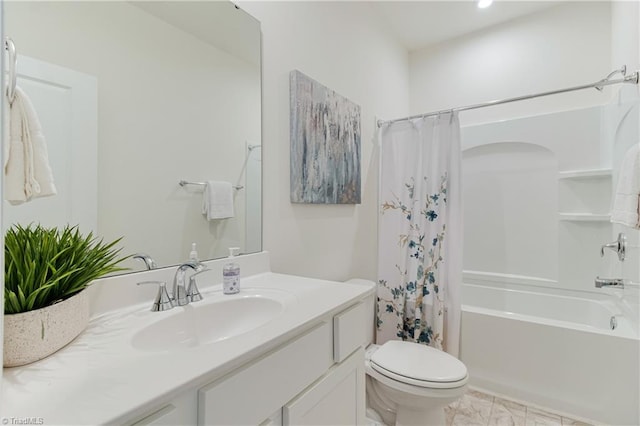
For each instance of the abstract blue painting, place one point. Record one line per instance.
(325, 144)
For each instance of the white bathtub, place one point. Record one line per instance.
(553, 348)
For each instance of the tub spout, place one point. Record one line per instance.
(609, 282)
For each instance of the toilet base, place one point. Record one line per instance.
(372, 418)
(436, 417)
(379, 404)
(432, 417)
(403, 409)
(407, 417)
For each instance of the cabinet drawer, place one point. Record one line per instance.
(250, 395)
(180, 411)
(349, 331)
(338, 398)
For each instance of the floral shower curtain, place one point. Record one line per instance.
(420, 232)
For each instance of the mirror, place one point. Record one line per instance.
(134, 97)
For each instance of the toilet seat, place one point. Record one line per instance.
(418, 365)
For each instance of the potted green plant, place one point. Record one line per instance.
(46, 271)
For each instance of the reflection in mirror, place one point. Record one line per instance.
(134, 97)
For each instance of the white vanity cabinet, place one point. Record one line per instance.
(317, 377)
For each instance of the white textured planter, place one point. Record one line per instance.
(34, 335)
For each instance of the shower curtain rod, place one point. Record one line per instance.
(631, 78)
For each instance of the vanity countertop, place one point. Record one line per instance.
(102, 378)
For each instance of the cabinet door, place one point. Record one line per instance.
(338, 398)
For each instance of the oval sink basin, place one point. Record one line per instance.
(207, 322)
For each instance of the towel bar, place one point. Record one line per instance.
(10, 47)
(186, 182)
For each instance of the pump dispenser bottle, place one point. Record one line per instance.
(231, 274)
(193, 255)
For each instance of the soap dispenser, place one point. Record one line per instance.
(193, 255)
(231, 274)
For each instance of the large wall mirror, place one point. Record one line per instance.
(134, 97)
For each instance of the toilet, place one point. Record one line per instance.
(409, 383)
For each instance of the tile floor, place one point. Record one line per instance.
(479, 409)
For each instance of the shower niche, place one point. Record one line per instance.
(584, 195)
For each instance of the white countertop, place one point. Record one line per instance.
(101, 378)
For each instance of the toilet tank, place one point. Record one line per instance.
(370, 306)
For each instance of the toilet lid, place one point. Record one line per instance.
(418, 362)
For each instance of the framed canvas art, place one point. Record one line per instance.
(325, 144)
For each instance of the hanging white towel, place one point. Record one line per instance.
(27, 173)
(626, 203)
(217, 200)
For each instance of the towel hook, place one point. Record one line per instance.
(10, 47)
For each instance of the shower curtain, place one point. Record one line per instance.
(420, 232)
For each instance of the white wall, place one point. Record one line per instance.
(560, 47)
(625, 31)
(339, 45)
(170, 107)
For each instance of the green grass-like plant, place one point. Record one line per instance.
(44, 266)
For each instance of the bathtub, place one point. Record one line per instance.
(558, 349)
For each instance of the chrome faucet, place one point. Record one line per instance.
(180, 294)
(609, 282)
(148, 260)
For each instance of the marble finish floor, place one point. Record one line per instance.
(479, 409)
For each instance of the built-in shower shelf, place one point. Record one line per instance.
(585, 174)
(584, 217)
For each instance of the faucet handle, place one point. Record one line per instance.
(193, 294)
(162, 302)
(619, 246)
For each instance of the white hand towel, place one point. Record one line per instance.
(27, 173)
(626, 204)
(217, 200)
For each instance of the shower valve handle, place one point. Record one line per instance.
(619, 246)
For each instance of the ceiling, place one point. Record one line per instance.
(219, 23)
(419, 24)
